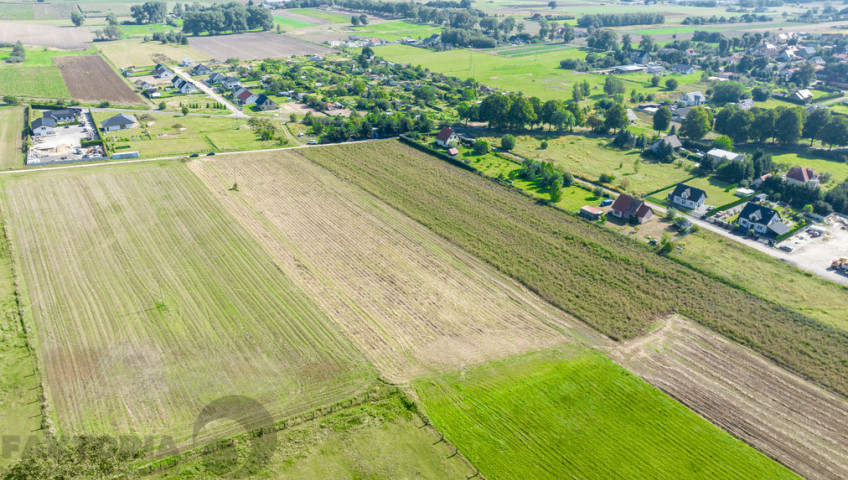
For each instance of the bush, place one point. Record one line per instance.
(598, 192)
(606, 178)
(481, 147)
(544, 145)
(507, 142)
(104, 105)
(671, 84)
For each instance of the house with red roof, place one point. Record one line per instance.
(447, 138)
(245, 96)
(802, 175)
(629, 208)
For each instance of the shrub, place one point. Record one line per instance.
(480, 147)
(507, 142)
(544, 145)
(606, 178)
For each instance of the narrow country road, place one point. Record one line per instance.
(209, 91)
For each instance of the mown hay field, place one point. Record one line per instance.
(147, 301)
(11, 126)
(135, 53)
(411, 301)
(89, 78)
(32, 82)
(609, 281)
(575, 414)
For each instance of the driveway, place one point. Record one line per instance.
(211, 92)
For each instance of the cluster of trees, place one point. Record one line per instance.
(546, 176)
(357, 20)
(264, 127)
(797, 195)
(837, 198)
(502, 111)
(77, 18)
(746, 18)
(741, 172)
(149, 12)
(783, 125)
(170, 37)
(18, 53)
(232, 17)
(619, 19)
(339, 129)
(462, 37)
(110, 32)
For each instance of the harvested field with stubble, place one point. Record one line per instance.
(11, 141)
(149, 302)
(609, 281)
(66, 37)
(254, 46)
(780, 414)
(413, 302)
(89, 78)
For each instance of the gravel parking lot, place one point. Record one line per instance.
(64, 146)
(815, 253)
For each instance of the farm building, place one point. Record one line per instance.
(719, 155)
(802, 176)
(631, 117)
(687, 197)
(446, 138)
(640, 56)
(42, 127)
(803, 95)
(683, 69)
(627, 69)
(693, 99)
(592, 213)
(64, 115)
(629, 208)
(265, 103)
(763, 220)
(121, 121)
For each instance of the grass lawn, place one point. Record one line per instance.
(11, 125)
(178, 135)
(590, 157)
(768, 277)
(714, 188)
(329, 16)
(180, 306)
(127, 53)
(533, 74)
(392, 31)
(129, 31)
(290, 22)
(838, 170)
(42, 57)
(575, 414)
(37, 82)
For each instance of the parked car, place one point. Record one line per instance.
(194, 155)
(210, 154)
(606, 202)
(313, 142)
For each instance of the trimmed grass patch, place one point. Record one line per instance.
(11, 125)
(37, 82)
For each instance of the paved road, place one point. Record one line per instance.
(209, 91)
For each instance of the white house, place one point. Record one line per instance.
(161, 71)
(682, 68)
(762, 220)
(121, 121)
(802, 176)
(44, 126)
(693, 99)
(230, 82)
(447, 137)
(631, 117)
(187, 62)
(720, 155)
(245, 96)
(688, 197)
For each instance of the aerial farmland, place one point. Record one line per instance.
(444, 240)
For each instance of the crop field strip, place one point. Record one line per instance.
(150, 301)
(602, 278)
(11, 142)
(788, 418)
(413, 302)
(89, 78)
(575, 414)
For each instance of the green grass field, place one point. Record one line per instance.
(34, 82)
(11, 125)
(590, 157)
(609, 281)
(178, 135)
(320, 14)
(533, 74)
(838, 170)
(149, 301)
(42, 57)
(576, 414)
(290, 22)
(392, 31)
(380, 439)
(714, 188)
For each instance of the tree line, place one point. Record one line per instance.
(619, 19)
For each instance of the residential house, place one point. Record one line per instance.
(806, 51)
(245, 96)
(719, 155)
(161, 71)
(216, 78)
(745, 104)
(654, 68)
(667, 141)
(759, 180)
(803, 95)
(631, 117)
(787, 55)
(201, 69)
(640, 56)
(183, 85)
(693, 99)
(446, 138)
(434, 39)
(818, 61)
(631, 209)
(802, 176)
(230, 82)
(265, 103)
(44, 126)
(121, 121)
(687, 197)
(762, 220)
(679, 114)
(187, 62)
(64, 115)
(682, 68)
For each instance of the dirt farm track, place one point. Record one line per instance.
(90, 78)
(254, 46)
(69, 38)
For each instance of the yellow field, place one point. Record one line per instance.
(129, 53)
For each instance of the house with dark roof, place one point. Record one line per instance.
(679, 114)
(665, 142)
(43, 127)
(121, 121)
(693, 99)
(631, 209)
(183, 85)
(161, 71)
(216, 78)
(682, 68)
(265, 103)
(762, 220)
(802, 176)
(230, 82)
(64, 115)
(687, 197)
(640, 56)
(201, 69)
(446, 138)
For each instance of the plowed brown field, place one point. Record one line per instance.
(410, 300)
(90, 78)
(782, 415)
